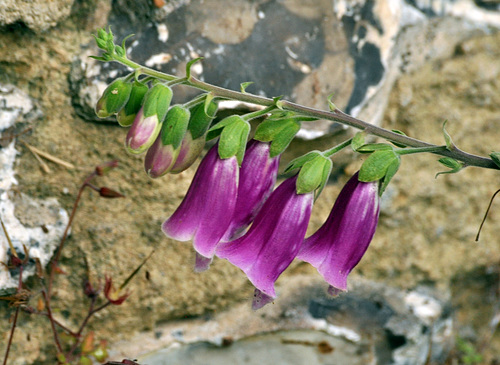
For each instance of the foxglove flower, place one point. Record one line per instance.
(207, 209)
(257, 178)
(337, 247)
(273, 240)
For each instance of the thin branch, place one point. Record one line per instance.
(14, 323)
(52, 321)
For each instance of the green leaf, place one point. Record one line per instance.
(126, 116)
(201, 117)
(391, 171)
(216, 130)
(125, 39)
(451, 163)
(447, 138)
(358, 140)
(376, 165)
(244, 85)
(157, 101)
(327, 169)
(278, 102)
(300, 161)
(175, 126)
(495, 156)
(283, 139)
(233, 139)
(400, 145)
(189, 65)
(331, 105)
(120, 51)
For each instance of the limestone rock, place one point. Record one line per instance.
(38, 15)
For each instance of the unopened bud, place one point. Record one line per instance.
(126, 115)
(109, 193)
(114, 98)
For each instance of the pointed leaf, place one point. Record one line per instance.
(300, 161)
(281, 141)
(447, 138)
(451, 163)
(495, 156)
(398, 144)
(244, 85)
(331, 105)
(189, 65)
(391, 171)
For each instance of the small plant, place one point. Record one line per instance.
(79, 346)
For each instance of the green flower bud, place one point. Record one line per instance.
(157, 101)
(114, 98)
(126, 115)
(147, 123)
(162, 155)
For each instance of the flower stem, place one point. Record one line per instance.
(337, 148)
(335, 115)
(410, 151)
(258, 113)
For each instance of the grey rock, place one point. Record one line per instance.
(38, 15)
(355, 50)
(372, 323)
(36, 224)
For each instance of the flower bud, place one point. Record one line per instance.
(114, 98)
(163, 154)
(126, 115)
(194, 140)
(147, 123)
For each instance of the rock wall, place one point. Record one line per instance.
(406, 65)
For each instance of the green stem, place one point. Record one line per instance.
(258, 113)
(337, 148)
(410, 151)
(335, 115)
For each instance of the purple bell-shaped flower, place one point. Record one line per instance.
(258, 174)
(206, 211)
(273, 240)
(337, 247)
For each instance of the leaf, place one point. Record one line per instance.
(331, 105)
(244, 85)
(447, 138)
(189, 65)
(451, 163)
(495, 156)
(358, 140)
(300, 161)
(376, 165)
(281, 141)
(400, 145)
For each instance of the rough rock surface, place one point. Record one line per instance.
(38, 15)
(427, 227)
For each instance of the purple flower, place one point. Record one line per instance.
(207, 209)
(257, 178)
(337, 247)
(273, 240)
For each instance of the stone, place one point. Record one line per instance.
(37, 224)
(38, 15)
(371, 323)
(363, 46)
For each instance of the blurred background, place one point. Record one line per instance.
(425, 291)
